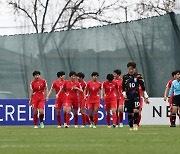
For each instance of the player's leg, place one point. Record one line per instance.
(120, 108)
(58, 105)
(117, 113)
(90, 111)
(108, 115)
(95, 116)
(41, 112)
(35, 111)
(67, 110)
(128, 107)
(75, 107)
(175, 104)
(41, 117)
(35, 117)
(113, 106)
(83, 113)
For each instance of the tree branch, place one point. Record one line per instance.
(44, 16)
(61, 13)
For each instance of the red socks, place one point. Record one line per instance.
(75, 119)
(41, 117)
(121, 117)
(108, 119)
(87, 119)
(114, 116)
(58, 117)
(35, 119)
(67, 118)
(84, 119)
(95, 119)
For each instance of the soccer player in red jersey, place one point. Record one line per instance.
(71, 88)
(91, 94)
(120, 99)
(82, 102)
(37, 100)
(168, 86)
(57, 85)
(109, 95)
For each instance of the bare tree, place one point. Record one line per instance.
(68, 14)
(147, 8)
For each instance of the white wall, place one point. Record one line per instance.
(156, 113)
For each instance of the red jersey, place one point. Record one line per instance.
(119, 83)
(57, 85)
(38, 87)
(83, 85)
(69, 88)
(169, 83)
(110, 89)
(92, 89)
(169, 86)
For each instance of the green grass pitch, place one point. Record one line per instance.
(102, 140)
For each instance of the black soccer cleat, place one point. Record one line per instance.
(172, 126)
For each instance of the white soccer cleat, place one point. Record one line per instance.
(59, 126)
(75, 126)
(121, 125)
(94, 126)
(42, 125)
(135, 127)
(130, 129)
(91, 125)
(65, 124)
(108, 126)
(82, 126)
(35, 126)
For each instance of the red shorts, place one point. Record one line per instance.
(38, 101)
(121, 101)
(93, 100)
(92, 106)
(82, 104)
(109, 106)
(71, 102)
(59, 102)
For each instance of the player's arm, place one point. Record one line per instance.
(165, 93)
(141, 82)
(124, 87)
(49, 93)
(117, 91)
(85, 94)
(30, 96)
(46, 90)
(78, 88)
(102, 92)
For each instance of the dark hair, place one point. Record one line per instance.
(133, 64)
(173, 73)
(176, 72)
(110, 77)
(81, 75)
(61, 73)
(117, 71)
(72, 73)
(94, 74)
(36, 72)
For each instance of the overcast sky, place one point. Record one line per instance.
(9, 26)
